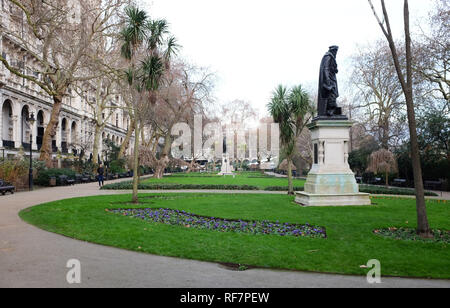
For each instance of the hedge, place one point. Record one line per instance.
(128, 185)
(380, 190)
(282, 188)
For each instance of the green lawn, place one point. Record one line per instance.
(246, 178)
(350, 243)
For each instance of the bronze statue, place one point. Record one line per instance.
(328, 86)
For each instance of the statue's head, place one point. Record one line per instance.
(334, 49)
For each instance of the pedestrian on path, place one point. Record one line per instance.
(100, 172)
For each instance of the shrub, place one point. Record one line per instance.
(117, 166)
(15, 172)
(380, 190)
(43, 178)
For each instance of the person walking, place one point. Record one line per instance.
(100, 173)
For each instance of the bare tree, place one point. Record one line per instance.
(379, 94)
(406, 81)
(184, 93)
(239, 112)
(102, 97)
(432, 53)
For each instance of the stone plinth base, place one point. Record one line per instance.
(357, 199)
(332, 184)
(225, 173)
(226, 169)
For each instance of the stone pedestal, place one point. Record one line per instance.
(331, 182)
(226, 169)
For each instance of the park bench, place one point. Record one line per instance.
(359, 179)
(6, 187)
(85, 178)
(399, 182)
(78, 178)
(375, 181)
(433, 185)
(64, 180)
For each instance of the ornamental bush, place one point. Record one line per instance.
(15, 171)
(43, 178)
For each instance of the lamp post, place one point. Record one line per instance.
(31, 120)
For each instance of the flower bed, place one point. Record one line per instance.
(409, 234)
(188, 220)
(163, 186)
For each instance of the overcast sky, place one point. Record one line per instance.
(254, 45)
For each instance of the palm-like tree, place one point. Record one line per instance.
(144, 38)
(290, 110)
(133, 34)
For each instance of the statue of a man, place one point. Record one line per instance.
(328, 86)
(224, 145)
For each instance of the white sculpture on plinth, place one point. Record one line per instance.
(227, 168)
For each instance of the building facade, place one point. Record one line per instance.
(19, 98)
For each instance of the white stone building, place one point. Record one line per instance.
(20, 97)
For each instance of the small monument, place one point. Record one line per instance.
(330, 182)
(226, 169)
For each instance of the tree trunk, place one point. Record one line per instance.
(423, 228)
(160, 167)
(291, 186)
(136, 163)
(98, 131)
(126, 141)
(191, 166)
(164, 160)
(50, 132)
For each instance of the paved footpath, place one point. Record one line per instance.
(31, 257)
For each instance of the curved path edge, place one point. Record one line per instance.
(31, 257)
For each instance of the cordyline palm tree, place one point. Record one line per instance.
(145, 39)
(290, 110)
(132, 37)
